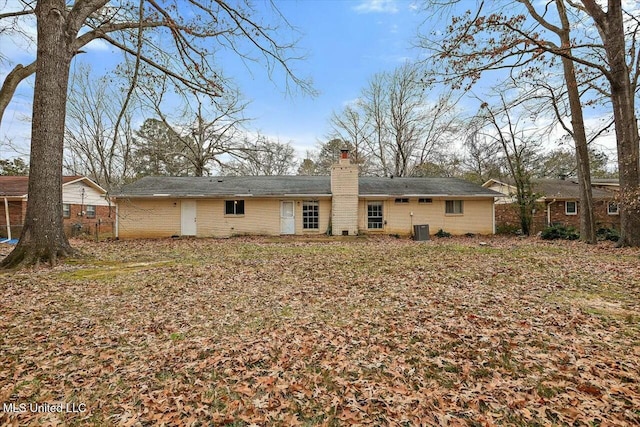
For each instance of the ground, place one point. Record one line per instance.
(341, 331)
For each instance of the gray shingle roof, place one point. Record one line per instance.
(235, 186)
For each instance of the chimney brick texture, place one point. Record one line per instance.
(344, 198)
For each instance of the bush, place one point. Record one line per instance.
(608, 234)
(509, 229)
(559, 232)
(442, 233)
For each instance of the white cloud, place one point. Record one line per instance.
(377, 6)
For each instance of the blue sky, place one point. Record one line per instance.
(345, 42)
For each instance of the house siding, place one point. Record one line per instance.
(140, 218)
(477, 216)
(77, 222)
(155, 218)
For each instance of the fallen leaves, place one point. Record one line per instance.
(257, 331)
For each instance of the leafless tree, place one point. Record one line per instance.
(190, 30)
(513, 35)
(91, 147)
(262, 156)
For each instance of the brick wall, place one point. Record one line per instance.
(507, 216)
(103, 223)
(74, 225)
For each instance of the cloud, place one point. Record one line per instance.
(377, 6)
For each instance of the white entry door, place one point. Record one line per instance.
(188, 217)
(287, 218)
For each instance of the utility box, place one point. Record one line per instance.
(421, 232)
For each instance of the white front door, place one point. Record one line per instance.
(287, 218)
(188, 217)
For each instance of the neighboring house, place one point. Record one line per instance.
(84, 205)
(557, 203)
(342, 204)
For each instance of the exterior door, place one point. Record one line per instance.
(287, 218)
(188, 217)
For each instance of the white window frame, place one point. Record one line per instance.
(454, 207)
(379, 205)
(66, 210)
(566, 208)
(613, 212)
(310, 215)
(90, 211)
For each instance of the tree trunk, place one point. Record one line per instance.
(611, 28)
(622, 97)
(587, 215)
(43, 236)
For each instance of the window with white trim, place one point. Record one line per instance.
(570, 207)
(425, 200)
(402, 200)
(613, 208)
(374, 216)
(454, 207)
(66, 210)
(310, 215)
(90, 211)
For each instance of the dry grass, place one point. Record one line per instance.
(279, 331)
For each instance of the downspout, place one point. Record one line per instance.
(117, 218)
(6, 215)
(493, 219)
(549, 212)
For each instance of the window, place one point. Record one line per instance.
(612, 208)
(402, 200)
(234, 207)
(571, 208)
(374, 215)
(310, 215)
(90, 211)
(66, 210)
(425, 200)
(453, 207)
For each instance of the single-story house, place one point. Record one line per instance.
(84, 205)
(558, 202)
(340, 204)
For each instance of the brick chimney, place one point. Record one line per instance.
(344, 196)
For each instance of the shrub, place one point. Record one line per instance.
(559, 232)
(508, 229)
(608, 234)
(442, 233)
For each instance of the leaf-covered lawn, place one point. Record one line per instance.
(373, 331)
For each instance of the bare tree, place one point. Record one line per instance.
(396, 123)
(205, 131)
(519, 145)
(63, 28)
(515, 35)
(91, 145)
(262, 156)
(352, 125)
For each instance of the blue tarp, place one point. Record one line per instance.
(10, 242)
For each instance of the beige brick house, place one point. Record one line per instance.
(84, 206)
(342, 204)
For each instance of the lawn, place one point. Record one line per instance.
(292, 331)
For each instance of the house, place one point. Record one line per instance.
(342, 204)
(85, 206)
(557, 203)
